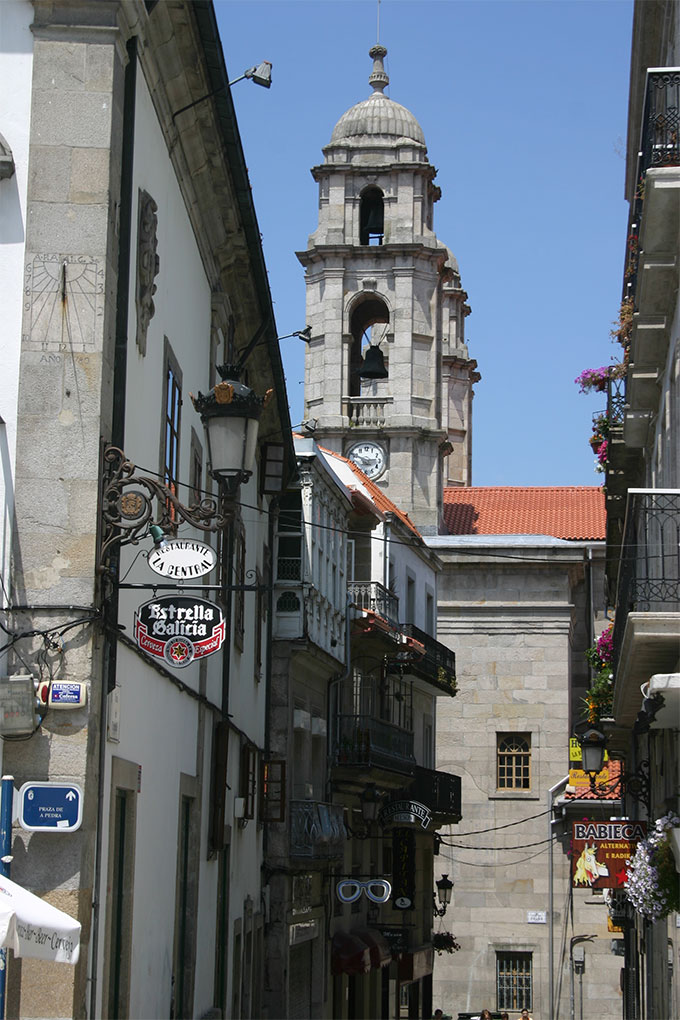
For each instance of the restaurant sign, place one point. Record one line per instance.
(179, 629)
(182, 559)
(601, 851)
(397, 812)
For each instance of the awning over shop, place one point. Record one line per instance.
(413, 966)
(349, 954)
(32, 927)
(381, 955)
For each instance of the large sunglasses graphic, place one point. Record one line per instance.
(378, 890)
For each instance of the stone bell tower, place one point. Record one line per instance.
(387, 372)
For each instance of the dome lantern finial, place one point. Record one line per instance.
(378, 77)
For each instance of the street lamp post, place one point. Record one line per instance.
(574, 941)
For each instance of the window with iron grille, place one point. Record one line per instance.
(513, 761)
(513, 981)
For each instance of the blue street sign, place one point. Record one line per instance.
(50, 807)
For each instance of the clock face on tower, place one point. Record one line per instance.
(370, 457)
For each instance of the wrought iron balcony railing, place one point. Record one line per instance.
(616, 402)
(659, 147)
(649, 568)
(437, 666)
(661, 120)
(369, 742)
(375, 598)
(317, 830)
(440, 791)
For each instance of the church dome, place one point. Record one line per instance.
(378, 115)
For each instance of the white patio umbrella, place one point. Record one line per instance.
(32, 927)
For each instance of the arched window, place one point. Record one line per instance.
(371, 217)
(513, 761)
(364, 316)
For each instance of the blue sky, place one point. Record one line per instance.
(524, 107)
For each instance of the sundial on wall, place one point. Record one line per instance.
(63, 299)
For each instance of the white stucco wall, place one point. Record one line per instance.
(16, 67)
(164, 730)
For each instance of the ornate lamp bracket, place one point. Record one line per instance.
(127, 507)
(638, 784)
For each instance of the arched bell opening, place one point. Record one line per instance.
(368, 325)
(372, 217)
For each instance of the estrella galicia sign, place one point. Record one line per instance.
(179, 629)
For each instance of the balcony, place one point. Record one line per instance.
(367, 412)
(317, 831)
(441, 792)
(367, 742)
(373, 597)
(437, 666)
(647, 624)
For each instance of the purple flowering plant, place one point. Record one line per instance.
(653, 884)
(593, 379)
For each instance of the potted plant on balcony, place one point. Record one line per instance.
(653, 884)
(598, 700)
(444, 942)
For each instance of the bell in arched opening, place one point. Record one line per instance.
(373, 365)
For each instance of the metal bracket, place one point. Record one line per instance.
(127, 509)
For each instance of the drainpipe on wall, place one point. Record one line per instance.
(551, 918)
(117, 438)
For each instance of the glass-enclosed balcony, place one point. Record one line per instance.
(372, 722)
(317, 830)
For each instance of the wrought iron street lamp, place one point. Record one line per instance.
(230, 414)
(444, 890)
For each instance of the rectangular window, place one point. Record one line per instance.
(173, 404)
(196, 469)
(273, 791)
(239, 581)
(249, 778)
(513, 981)
(513, 761)
(289, 535)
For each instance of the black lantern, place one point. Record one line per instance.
(370, 803)
(593, 745)
(230, 414)
(444, 890)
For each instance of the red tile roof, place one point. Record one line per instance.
(574, 512)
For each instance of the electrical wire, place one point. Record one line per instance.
(499, 864)
(497, 828)
(461, 846)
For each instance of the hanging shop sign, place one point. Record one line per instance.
(378, 890)
(179, 629)
(399, 811)
(403, 868)
(182, 559)
(601, 851)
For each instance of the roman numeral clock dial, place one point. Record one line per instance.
(370, 457)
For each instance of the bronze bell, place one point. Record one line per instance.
(373, 366)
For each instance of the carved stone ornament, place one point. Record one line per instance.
(148, 265)
(6, 160)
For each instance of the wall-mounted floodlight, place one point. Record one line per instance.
(261, 75)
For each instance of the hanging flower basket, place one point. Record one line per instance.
(444, 942)
(653, 885)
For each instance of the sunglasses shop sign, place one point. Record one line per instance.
(178, 629)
